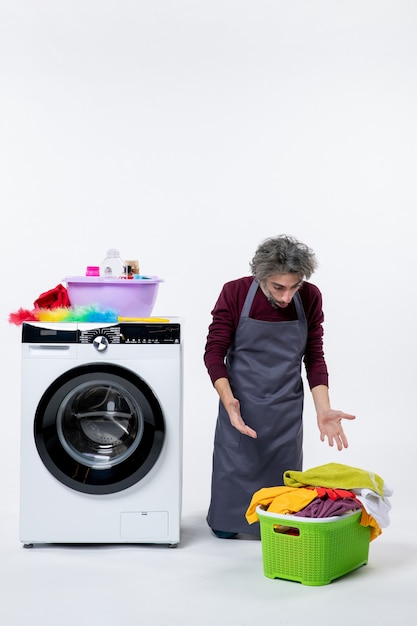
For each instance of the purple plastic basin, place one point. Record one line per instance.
(129, 298)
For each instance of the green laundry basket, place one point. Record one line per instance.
(313, 551)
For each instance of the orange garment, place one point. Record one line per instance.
(281, 500)
(368, 520)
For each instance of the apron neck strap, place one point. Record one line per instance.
(251, 294)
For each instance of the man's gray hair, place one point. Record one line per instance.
(283, 255)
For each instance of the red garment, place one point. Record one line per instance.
(57, 297)
(333, 494)
(226, 315)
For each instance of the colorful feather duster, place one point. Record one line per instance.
(89, 313)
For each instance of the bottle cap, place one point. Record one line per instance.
(92, 270)
(113, 253)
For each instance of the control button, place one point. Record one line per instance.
(100, 343)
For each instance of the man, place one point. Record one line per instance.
(264, 326)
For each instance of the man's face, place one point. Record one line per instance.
(280, 288)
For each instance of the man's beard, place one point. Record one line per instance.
(271, 301)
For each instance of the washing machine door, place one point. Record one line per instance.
(99, 428)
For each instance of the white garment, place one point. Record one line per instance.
(377, 506)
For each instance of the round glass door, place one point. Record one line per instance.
(99, 428)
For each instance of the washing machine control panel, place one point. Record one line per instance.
(101, 336)
(131, 333)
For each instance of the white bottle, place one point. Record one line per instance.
(112, 266)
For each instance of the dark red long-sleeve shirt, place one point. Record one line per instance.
(226, 314)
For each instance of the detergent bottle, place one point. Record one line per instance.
(112, 266)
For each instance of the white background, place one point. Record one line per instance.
(185, 132)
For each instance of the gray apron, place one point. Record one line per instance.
(264, 368)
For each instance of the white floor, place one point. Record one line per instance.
(204, 581)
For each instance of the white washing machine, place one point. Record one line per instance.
(101, 433)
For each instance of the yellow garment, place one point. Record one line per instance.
(335, 475)
(280, 500)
